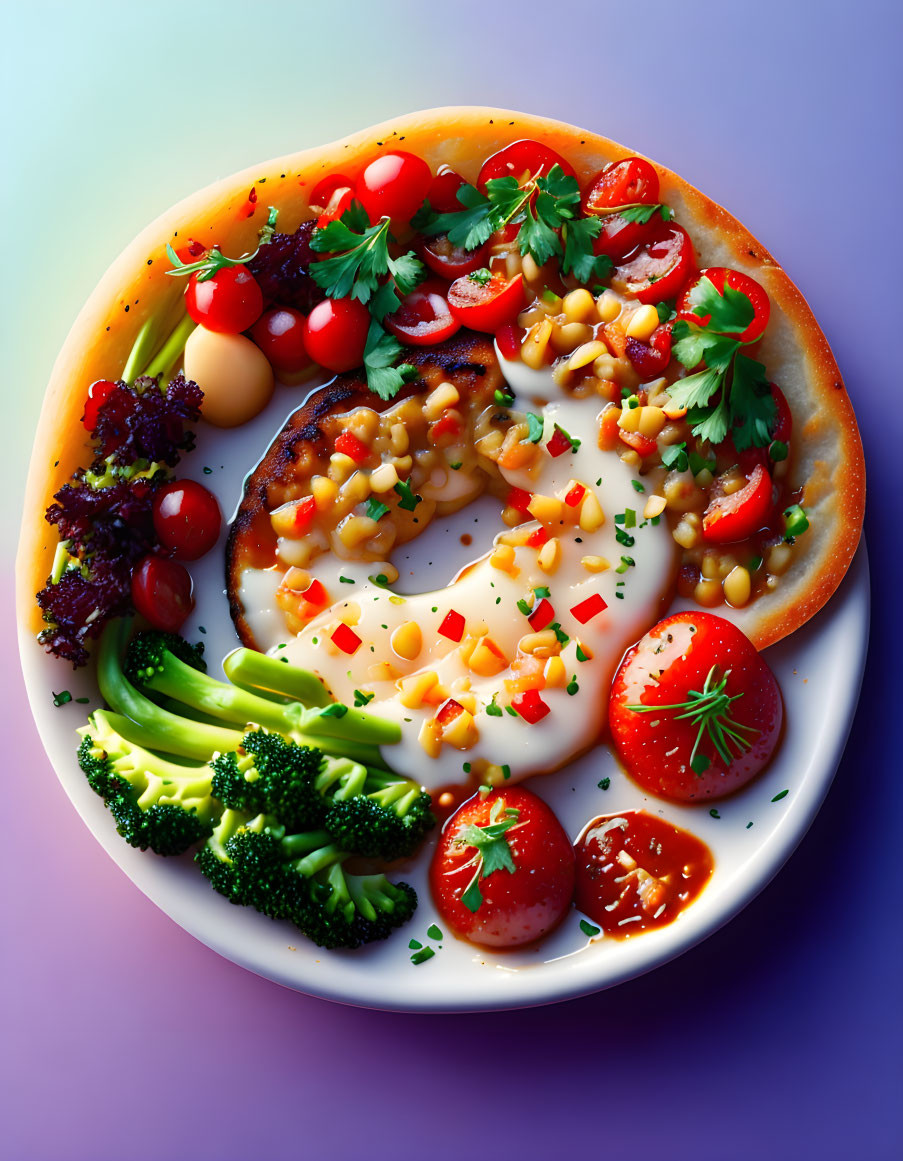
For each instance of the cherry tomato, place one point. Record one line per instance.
(161, 592)
(783, 422)
(519, 159)
(229, 302)
(650, 359)
(486, 305)
(447, 260)
(636, 871)
(619, 237)
(526, 890)
(335, 333)
(443, 191)
(508, 340)
(623, 183)
(718, 276)
(394, 185)
(423, 317)
(695, 661)
(280, 335)
(187, 518)
(661, 266)
(98, 393)
(325, 190)
(739, 515)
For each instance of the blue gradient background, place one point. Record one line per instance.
(123, 1038)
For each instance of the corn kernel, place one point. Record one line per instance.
(297, 580)
(737, 586)
(340, 466)
(542, 644)
(398, 439)
(445, 395)
(579, 306)
(652, 420)
(707, 593)
(407, 640)
(382, 671)
(429, 739)
(608, 305)
(354, 530)
(461, 732)
(630, 418)
(710, 566)
(595, 563)
(591, 515)
(568, 336)
(384, 478)
(655, 505)
(324, 491)
(414, 689)
(586, 354)
(546, 509)
(685, 534)
(549, 556)
(533, 350)
(555, 672)
(642, 323)
(487, 659)
(778, 558)
(502, 558)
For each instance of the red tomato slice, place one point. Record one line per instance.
(718, 276)
(334, 195)
(486, 305)
(623, 183)
(424, 317)
(443, 191)
(519, 159)
(447, 260)
(618, 237)
(280, 335)
(394, 185)
(661, 266)
(636, 871)
(739, 515)
(161, 592)
(679, 659)
(335, 333)
(187, 518)
(529, 892)
(229, 302)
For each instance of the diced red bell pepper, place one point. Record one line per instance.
(589, 608)
(448, 711)
(315, 594)
(542, 615)
(452, 626)
(530, 706)
(509, 341)
(558, 444)
(448, 424)
(519, 500)
(304, 514)
(348, 444)
(575, 495)
(538, 537)
(346, 639)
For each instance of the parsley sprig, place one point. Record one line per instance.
(545, 206)
(745, 407)
(491, 850)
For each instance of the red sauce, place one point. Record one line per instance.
(636, 871)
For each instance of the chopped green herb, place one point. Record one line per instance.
(336, 710)
(208, 471)
(581, 655)
(409, 499)
(777, 450)
(434, 932)
(363, 698)
(83, 700)
(346, 580)
(415, 945)
(780, 795)
(524, 607)
(542, 591)
(380, 579)
(795, 521)
(588, 929)
(664, 310)
(604, 784)
(699, 764)
(637, 486)
(455, 467)
(642, 213)
(629, 518)
(748, 825)
(755, 564)
(674, 456)
(572, 686)
(714, 813)
(509, 709)
(506, 771)
(62, 698)
(360, 260)
(493, 710)
(624, 538)
(466, 767)
(481, 277)
(376, 509)
(556, 628)
(536, 426)
(502, 398)
(423, 955)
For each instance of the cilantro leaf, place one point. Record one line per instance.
(360, 260)
(535, 426)
(538, 239)
(696, 390)
(470, 227)
(710, 424)
(752, 405)
(492, 852)
(409, 499)
(579, 258)
(730, 311)
(383, 377)
(643, 213)
(693, 344)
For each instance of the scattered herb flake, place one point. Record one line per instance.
(423, 955)
(779, 796)
(604, 783)
(588, 929)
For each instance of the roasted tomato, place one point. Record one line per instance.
(660, 267)
(503, 872)
(738, 515)
(486, 302)
(521, 159)
(423, 317)
(620, 237)
(623, 183)
(720, 277)
(694, 711)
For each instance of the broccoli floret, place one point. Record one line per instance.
(386, 819)
(154, 667)
(300, 877)
(155, 803)
(271, 775)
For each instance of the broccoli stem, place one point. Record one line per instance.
(160, 729)
(172, 348)
(251, 670)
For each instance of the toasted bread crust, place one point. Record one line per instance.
(828, 466)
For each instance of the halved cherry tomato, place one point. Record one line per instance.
(618, 237)
(161, 592)
(229, 302)
(187, 518)
(521, 158)
(334, 194)
(623, 183)
(394, 185)
(739, 515)
(447, 260)
(280, 335)
(98, 393)
(718, 276)
(650, 359)
(443, 191)
(486, 305)
(698, 661)
(661, 266)
(528, 889)
(335, 333)
(424, 317)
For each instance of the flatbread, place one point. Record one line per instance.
(828, 465)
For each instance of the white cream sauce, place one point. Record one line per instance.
(487, 598)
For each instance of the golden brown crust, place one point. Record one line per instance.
(829, 465)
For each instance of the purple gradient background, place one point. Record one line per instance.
(120, 1036)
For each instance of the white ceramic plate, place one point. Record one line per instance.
(819, 669)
